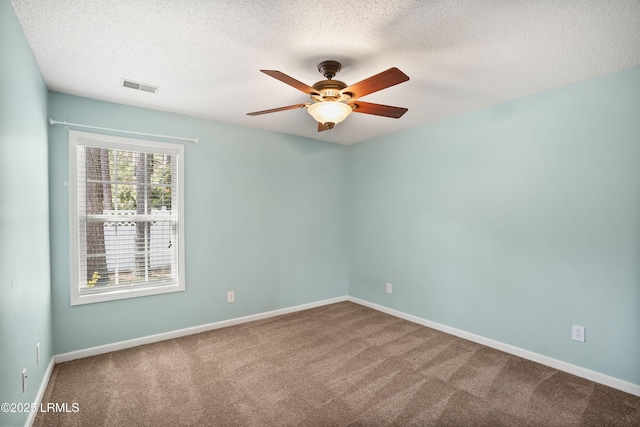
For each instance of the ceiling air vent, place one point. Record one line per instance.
(139, 86)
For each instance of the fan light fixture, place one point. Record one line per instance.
(329, 112)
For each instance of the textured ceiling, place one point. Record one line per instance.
(205, 56)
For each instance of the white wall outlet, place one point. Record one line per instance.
(24, 379)
(389, 288)
(38, 354)
(577, 333)
(231, 296)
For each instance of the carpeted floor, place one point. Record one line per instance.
(337, 365)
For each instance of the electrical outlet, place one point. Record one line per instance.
(389, 288)
(24, 379)
(577, 333)
(231, 296)
(38, 354)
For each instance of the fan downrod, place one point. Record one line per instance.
(329, 69)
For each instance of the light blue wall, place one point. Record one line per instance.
(265, 217)
(25, 299)
(513, 222)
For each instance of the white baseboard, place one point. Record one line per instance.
(43, 387)
(121, 345)
(525, 354)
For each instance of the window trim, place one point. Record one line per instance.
(107, 141)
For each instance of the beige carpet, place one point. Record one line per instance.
(337, 365)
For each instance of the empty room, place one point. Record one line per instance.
(297, 213)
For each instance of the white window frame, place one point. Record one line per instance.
(107, 141)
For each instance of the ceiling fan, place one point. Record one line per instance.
(333, 100)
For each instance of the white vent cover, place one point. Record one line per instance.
(139, 86)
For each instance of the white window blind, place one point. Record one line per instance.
(126, 217)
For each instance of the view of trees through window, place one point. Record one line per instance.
(126, 190)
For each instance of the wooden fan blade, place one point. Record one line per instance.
(379, 109)
(322, 127)
(290, 81)
(380, 81)
(275, 110)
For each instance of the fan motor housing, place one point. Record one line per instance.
(330, 90)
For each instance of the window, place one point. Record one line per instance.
(126, 217)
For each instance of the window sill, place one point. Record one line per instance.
(125, 294)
